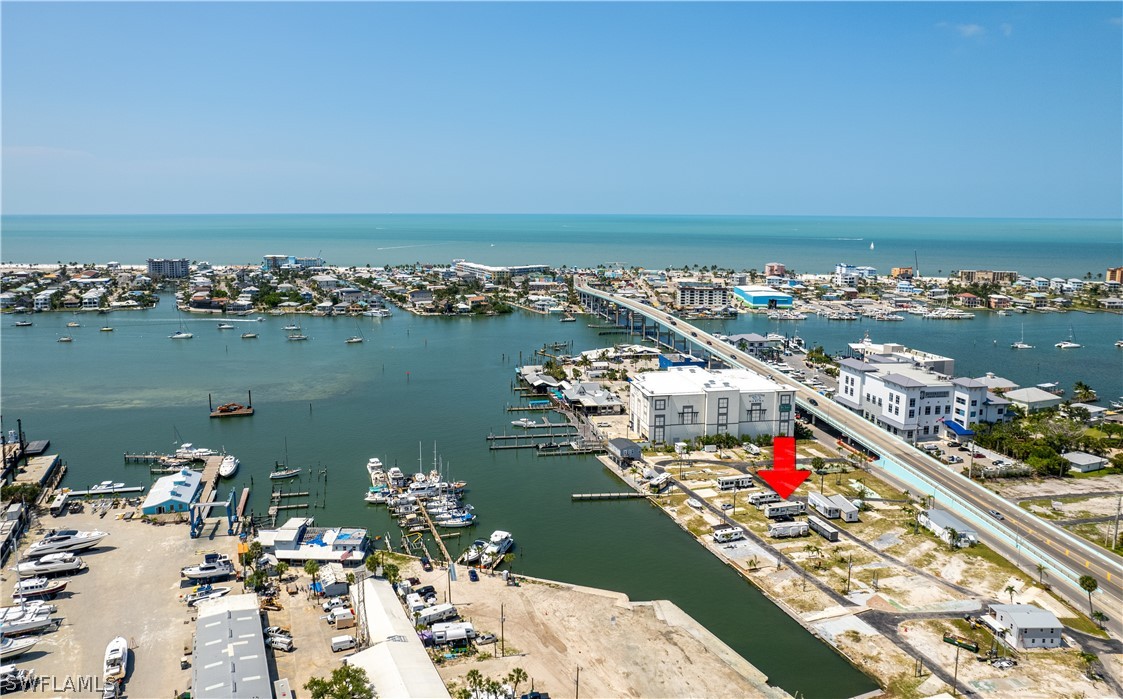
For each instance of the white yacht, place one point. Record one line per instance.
(181, 335)
(225, 326)
(214, 565)
(51, 564)
(524, 422)
(249, 336)
(116, 658)
(473, 552)
(65, 540)
(189, 451)
(229, 466)
(1070, 343)
(499, 544)
(66, 338)
(375, 471)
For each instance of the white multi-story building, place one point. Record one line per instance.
(904, 392)
(686, 402)
(489, 273)
(177, 268)
(701, 295)
(845, 275)
(42, 300)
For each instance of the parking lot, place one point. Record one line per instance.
(132, 588)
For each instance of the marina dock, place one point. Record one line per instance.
(210, 477)
(107, 491)
(232, 409)
(608, 496)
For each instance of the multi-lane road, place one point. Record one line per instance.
(1018, 535)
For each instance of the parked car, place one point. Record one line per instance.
(485, 638)
(425, 591)
(426, 564)
(996, 514)
(333, 602)
(953, 459)
(280, 643)
(278, 631)
(473, 575)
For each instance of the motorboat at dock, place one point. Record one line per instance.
(51, 564)
(229, 466)
(472, 553)
(498, 544)
(189, 451)
(65, 540)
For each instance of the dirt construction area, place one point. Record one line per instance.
(623, 648)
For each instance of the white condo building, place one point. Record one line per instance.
(686, 402)
(905, 391)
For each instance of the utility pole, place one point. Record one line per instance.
(955, 676)
(849, 565)
(577, 685)
(502, 618)
(1115, 534)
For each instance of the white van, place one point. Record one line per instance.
(280, 643)
(341, 617)
(339, 643)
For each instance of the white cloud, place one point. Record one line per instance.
(1117, 21)
(968, 31)
(1007, 29)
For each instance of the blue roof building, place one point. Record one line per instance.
(173, 493)
(762, 297)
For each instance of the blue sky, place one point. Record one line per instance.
(941, 109)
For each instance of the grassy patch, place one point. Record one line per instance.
(1092, 533)
(1083, 624)
(985, 553)
(1110, 471)
(904, 687)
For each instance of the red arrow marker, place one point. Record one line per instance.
(783, 476)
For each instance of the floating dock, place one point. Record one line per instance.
(210, 477)
(232, 409)
(607, 496)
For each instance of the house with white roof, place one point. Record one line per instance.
(297, 540)
(1083, 462)
(685, 402)
(173, 493)
(1024, 626)
(1033, 399)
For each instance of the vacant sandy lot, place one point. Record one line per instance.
(623, 648)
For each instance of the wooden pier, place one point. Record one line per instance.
(210, 477)
(506, 437)
(436, 535)
(528, 408)
(145, 458)
(607, 496)
(242, 502)
(571, 451)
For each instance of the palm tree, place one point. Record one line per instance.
(1090, 585)
(1041, 568)
(313, 569)
(953, 538)
(475, 680)
(516, 677)
(1099, 617)
(281, 569)
(1010, 591)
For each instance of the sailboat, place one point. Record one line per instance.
(1022, 344)
(871, 245)
(182, 333)
(295, 334)
(282, 471)
(355, 339)
(1070, 343)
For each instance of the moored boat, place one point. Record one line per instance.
(354, 340)
(225, 326)
(249, 336)
(280, 472)
(179, 335)
(229, 466)
(472, 553)
(66, 338)
(498, 544)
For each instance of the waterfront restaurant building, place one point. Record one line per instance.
(682, 403)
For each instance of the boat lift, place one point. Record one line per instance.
(199, 511)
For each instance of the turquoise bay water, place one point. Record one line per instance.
(415, 381)
(1034, 247)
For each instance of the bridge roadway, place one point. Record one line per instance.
(1020, 536)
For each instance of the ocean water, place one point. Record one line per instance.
(1036, 247)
